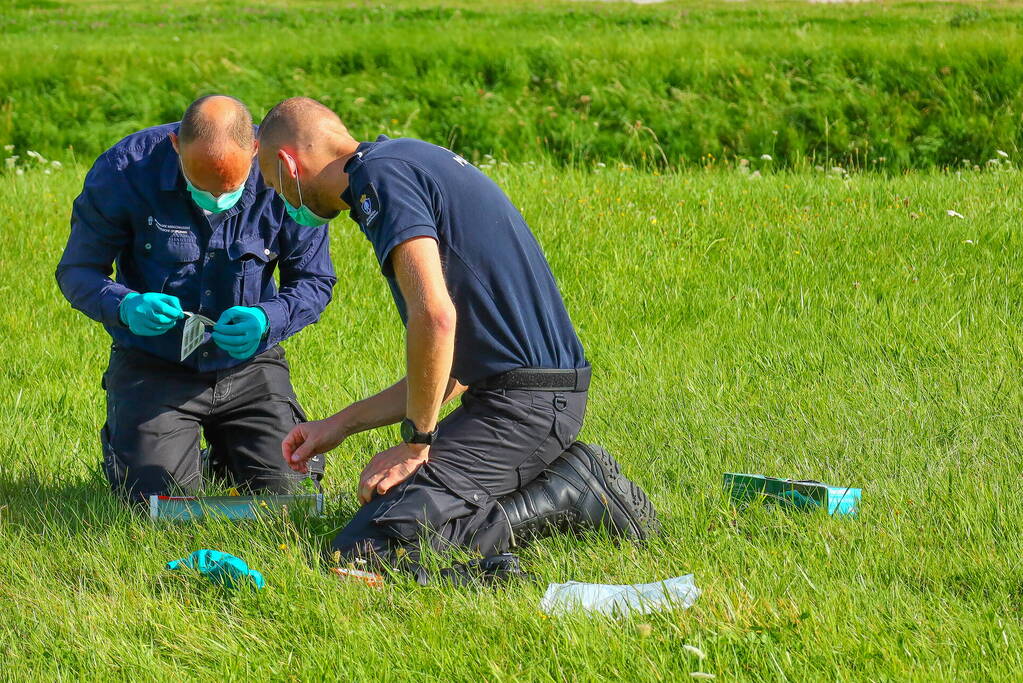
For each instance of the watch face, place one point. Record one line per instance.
(407, 430)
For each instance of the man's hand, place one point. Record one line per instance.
(240, 330)
(309, 439)
(389, 468)
(150, 314)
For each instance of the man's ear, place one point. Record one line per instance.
(290, 165)
(174, 142)
(255, 147)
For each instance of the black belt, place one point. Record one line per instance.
(539, 379)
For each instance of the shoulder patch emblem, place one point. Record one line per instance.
(369, 206)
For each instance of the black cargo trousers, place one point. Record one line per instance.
(156, 409)
(496, 442)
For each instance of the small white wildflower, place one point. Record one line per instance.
(11, 161)
(700, 674)
(955, 214)
(993, 162)
(695, 651)
(766, 157)
(601, 164)
(46, 172)
(8, 148)
(56, 164)
(20, 171)
(34, 155)
(743, 162)
(1001, 154)
(967, 241)
(754, 174)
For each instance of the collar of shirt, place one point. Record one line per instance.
(355, 162)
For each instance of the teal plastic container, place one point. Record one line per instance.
(793, 493)
(188, 508)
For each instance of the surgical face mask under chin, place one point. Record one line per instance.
(205, 200)
(301, 214)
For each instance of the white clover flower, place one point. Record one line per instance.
(56, 164)
(11, 161)
(766, 157)
(601, 164)
(20, 171)
(955, 214)
(695, 651)
(1001, 154)
(33, 155)
(8, 148)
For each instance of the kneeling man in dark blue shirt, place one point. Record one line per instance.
(183, 212)
(484, 319)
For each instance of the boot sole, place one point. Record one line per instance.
(627, 496)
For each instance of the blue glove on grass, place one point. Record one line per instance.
(239, 330)
(220, 568)
(150, 314)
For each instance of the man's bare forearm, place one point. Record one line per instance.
(429, 351)
(384, 408)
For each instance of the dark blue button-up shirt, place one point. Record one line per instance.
(135, 211)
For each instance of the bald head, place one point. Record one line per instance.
(216, 143)
(217, 120)
(303, 147)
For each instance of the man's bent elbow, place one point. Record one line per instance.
(439, 321)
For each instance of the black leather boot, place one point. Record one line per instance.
(583, 489)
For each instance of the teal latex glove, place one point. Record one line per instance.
(220, 568)
(240, 330)
(150, 314)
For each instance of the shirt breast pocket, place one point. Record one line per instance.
(168, 255)
(250, 258)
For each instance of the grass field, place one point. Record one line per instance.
(890, 85)
(792, 322)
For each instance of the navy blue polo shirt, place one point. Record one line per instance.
(510, 312)
(135, 211)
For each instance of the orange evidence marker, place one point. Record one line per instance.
(369, 578)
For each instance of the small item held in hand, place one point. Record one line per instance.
(194, 333)
(793, 493)
(220, 568)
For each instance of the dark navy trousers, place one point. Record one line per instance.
(156, 410)
(496, 442)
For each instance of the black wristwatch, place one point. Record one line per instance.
(410, 434)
